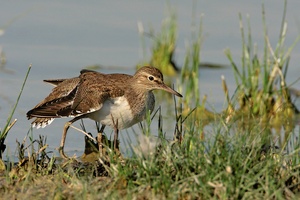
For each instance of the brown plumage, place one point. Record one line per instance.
(116, 100)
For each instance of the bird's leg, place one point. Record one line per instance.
(63, 138)
(99, 140)
(64, 135)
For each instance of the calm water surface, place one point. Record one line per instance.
(60, 39)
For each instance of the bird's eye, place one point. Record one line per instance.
(151, 78)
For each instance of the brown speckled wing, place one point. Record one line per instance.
(58, 102)
(55, 82)
(95, 88)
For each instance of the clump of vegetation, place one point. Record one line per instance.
(262, 92)
(9, 124)
(163, 47)
(237, 158)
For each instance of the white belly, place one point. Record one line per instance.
(114, 112)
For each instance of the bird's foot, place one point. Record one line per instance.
(62, 153)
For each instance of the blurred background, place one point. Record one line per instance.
(61, 38)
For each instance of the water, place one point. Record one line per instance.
(60, 38)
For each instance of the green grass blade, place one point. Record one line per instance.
(7, 126)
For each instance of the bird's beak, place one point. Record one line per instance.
(170, 90)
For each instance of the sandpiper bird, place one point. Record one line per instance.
(115, 100)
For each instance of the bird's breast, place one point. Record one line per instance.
(115, 112)
(123, 112)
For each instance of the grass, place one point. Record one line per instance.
(238, 157)
(262, 91)
(164, 43)
(9, 124)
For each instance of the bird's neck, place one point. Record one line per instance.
(141, 101)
